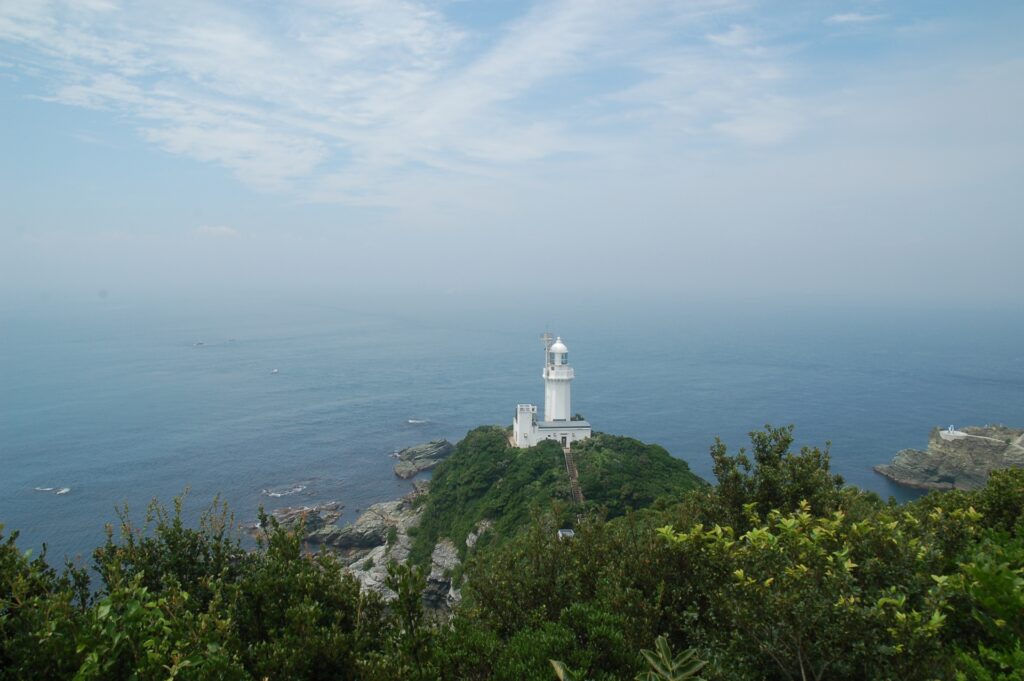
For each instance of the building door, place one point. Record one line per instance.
(563, 440)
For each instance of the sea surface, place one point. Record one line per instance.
(291, 403)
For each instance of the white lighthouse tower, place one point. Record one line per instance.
(557, 424)
(558, 377)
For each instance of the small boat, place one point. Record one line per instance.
(273, 371)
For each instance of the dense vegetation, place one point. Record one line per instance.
(777, 572)
(486, 479)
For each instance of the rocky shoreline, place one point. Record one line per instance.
(381, 533)
(957, 458)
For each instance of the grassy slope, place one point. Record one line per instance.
(485, 478)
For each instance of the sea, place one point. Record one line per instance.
(108, 404)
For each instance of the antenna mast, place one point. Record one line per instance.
(547, 339)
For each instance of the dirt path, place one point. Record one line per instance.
(1016, 443)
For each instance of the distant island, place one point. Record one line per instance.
(957, 458)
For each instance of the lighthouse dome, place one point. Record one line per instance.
(558, 346)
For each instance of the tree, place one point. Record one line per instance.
(776, 479)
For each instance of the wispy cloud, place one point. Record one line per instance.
(736, 36)
(853, 18)
(345, 102)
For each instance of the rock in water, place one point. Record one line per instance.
(414, 460)
(368, 531)
(381, 525)
(315, 517)
(959, 459)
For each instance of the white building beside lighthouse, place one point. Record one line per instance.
(557, 424)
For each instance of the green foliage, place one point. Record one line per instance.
(991, 664)
(751, 576)
(665, 667)
(164, 552)
(807, 605)
(621, 474)
(133, 633)
(563, 672)
(40, 613)
(486, 478)
(527, 654)
(301, 617)
(776, 479)
(992, 584)
(842, 588)
(407, 635)
(181, 602)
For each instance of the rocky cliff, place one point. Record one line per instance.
(959, 459)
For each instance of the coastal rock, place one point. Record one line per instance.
(371, 569)
(958, 459)
(440, 595)
(369, 531)
(414, 460)
(380, 535)
(315, 517)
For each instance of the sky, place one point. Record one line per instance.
(851, 152)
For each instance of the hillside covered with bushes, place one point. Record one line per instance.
(486, 479)
(776, 572)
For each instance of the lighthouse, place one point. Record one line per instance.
(558, 424)
(558, 377)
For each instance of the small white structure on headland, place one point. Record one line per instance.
(557, 424)
(952, 433)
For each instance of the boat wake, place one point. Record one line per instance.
(54, 490)
(417, 422)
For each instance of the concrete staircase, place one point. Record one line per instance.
(574, 477)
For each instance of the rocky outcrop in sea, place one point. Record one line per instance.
(414, 460)
(311, 518)
(383, 525)
(957, 458)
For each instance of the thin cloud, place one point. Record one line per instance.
(736, 36)
(854, 18)
(347, 103)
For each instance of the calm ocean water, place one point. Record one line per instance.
(118, 402)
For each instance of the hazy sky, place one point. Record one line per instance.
(849, 151)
